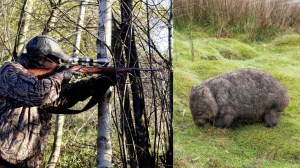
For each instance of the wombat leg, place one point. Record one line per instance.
(271, 118)
(224, 121)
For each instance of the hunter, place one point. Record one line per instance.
(28, 100)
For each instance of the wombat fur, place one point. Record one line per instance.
(241, 95)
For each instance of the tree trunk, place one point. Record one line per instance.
(129, 130)
(53, 17)
(105, 29)
(141, 138)
(60, 118)
(104, 150)
(78, 31)
(57, 140)
(104, 153)
(170, 151)
(22, 27)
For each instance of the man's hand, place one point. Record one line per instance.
(66, 73)
(108, 79)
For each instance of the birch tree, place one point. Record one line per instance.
(104, 150)
(23, 27)
(79, 26)
(60, 118)
(59, 124)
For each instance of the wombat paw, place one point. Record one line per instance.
(199, 122)
(221, 124)
(270, 125)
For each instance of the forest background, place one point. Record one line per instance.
(140, 127)
(212, 37)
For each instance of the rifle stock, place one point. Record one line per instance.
(41, 72)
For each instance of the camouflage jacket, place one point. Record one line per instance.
(24, 124)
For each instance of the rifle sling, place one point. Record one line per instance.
(93, 101)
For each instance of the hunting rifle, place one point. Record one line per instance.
(87, 66)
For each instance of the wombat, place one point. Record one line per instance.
(241, 95)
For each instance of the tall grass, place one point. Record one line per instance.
(227, 17)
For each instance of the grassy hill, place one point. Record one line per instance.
(247, 145)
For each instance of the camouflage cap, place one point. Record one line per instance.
(44, 46)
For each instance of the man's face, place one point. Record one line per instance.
(47, 62)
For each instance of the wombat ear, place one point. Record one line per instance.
(205, 91)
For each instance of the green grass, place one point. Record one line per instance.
(79, 140)
(246, 146)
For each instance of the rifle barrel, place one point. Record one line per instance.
(95, 70)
